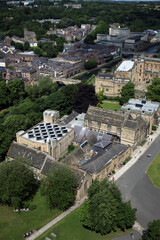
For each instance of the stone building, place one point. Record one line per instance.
(41, 163)
(149, 111)
(141, 71)
(146, 69)
(129, 127)
(29, 36)
(111, 86)
(126, 70)
(102, 164)
(48, 136)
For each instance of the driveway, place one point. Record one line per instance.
(136, 186)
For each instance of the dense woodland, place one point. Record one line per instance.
(136, 16)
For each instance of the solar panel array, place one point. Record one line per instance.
(47, 130)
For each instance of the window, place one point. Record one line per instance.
(108, 127)
(89, 122)
(99, 125)
(107, 89)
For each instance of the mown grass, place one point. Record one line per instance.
(13, 224)
(111, 106)
(154, 171)
(70, 228)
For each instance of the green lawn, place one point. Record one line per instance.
(154, 171)
(14, 225)
(70, 228)
(111, 106)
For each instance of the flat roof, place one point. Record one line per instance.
(125, 66)
(141, 106)
(44, 132)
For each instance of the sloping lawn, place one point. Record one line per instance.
(70, 228)
(154, 171)
(111, 106)
(13, 224)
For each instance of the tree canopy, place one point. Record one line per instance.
(90, 64)
(153, 231)
(127, 92)
(59, 187)
(104, 210)
(153, 91)
(17, 183)
(85, 97)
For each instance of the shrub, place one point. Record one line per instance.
(154, 128)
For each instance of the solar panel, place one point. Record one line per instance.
(38, 138)
(55, 125)
(46, 136)
(30, 132)
(43, 130)
(49, 127)
(31, 136)
(47, 124)
(36, 128)
(65, 131)
(42, 127)
(63, 128)
(58, 131)
(51, 133)
(59, 135)
(52, 136)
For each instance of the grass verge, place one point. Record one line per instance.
(70, 228)
(154, 171)
(13, 224)
(111, 106)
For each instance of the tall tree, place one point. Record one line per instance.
(127, 92)
(59, 187)
(153, 231)
(153, 91)
(104, 210)
(85, 97)
(17, 183)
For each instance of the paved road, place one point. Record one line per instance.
(137, 187)
(135, 236)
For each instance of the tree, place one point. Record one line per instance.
(153, 91)
(90, 64)
(104, 210)
(3, 95)
(19, 46)
(85, 97)
(127, 92)
(100, 95)
(16, 90)
(59, 187)
(153, 231)
(26, 46)
(17, 183)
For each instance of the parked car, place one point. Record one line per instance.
(149, 155)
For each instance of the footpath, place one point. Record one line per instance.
(135, 156)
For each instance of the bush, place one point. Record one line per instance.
(154, 128)
(127, 160)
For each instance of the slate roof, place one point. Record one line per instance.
(33, 157)
(73, 115)
(74, 157)
(97, 163)
(49, 164)
(102, 143)
(130, 123)
(105, 116)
